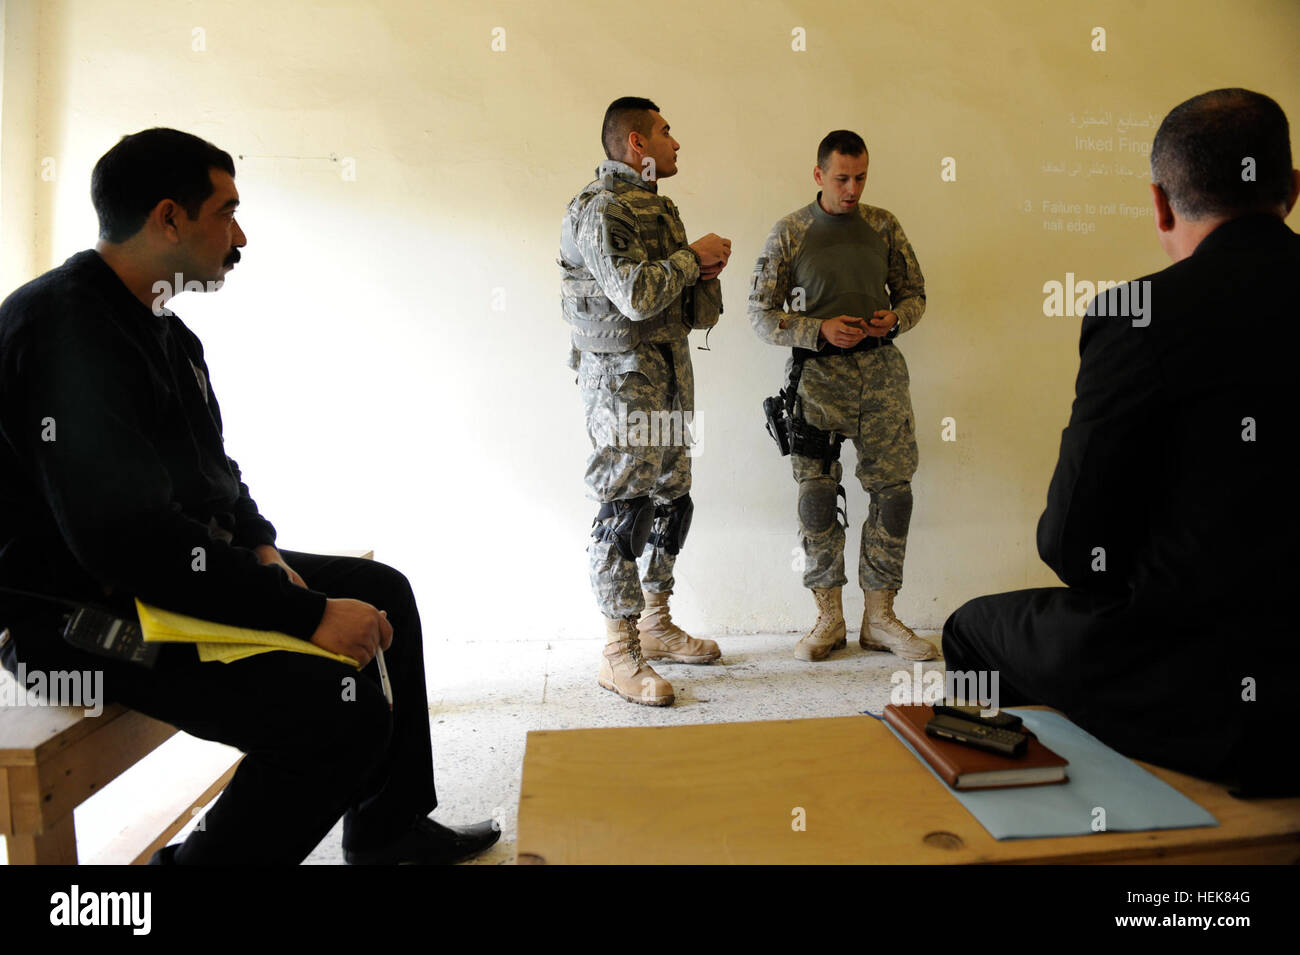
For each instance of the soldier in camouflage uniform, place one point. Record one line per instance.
(632, 290)
(830, 263)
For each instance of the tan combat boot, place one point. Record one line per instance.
(625, 672)
(661, 639)
(881, 630)
(828, 632)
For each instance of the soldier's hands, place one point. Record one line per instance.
(711, 272)
(882, 320)
(353, 628)
(713, 250)
(844, 331)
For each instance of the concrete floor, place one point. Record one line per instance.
(485, 697)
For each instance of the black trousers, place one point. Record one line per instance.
(319, 739)
(1201, 692)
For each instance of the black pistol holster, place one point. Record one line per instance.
(789, 429)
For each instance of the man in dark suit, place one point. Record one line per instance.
(115, 485)
(1166, 516)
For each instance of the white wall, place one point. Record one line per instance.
(19, 68)
(373, 397)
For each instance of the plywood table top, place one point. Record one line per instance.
(730, 792)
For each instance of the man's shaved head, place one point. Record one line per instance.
(625, 115)
(1201, 151)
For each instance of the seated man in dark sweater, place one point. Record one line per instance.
(115, 485)
(1168, 515)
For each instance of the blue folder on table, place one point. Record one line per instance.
(1104, 788)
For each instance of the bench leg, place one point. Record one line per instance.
(56, 846)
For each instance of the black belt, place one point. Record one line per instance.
(868, 343)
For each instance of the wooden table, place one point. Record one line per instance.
(729, 793)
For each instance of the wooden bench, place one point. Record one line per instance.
(54, 758)
(725, 792)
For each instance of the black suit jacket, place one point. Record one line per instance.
(1175, 466)
(1173, 458)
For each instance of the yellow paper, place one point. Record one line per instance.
(221, 642)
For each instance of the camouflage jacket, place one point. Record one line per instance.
(628, 277)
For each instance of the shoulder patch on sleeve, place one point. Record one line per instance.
(617, 229)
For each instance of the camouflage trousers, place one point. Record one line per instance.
(637, 421)
(863, 396)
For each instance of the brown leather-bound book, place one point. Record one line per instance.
(964, 767)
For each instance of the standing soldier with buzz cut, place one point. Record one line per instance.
(632, 290)
(852, 284)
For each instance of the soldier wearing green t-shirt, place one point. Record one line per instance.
(837, 281)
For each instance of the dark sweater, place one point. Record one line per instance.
(135, 477)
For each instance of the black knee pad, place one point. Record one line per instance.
(895, 505)
(674, 523)
(629, 531)
(819, 504)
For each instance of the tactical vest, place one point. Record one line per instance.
(597, 324)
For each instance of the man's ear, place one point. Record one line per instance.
(1295, 190)
(1164, 212)
(635, 146)
(817, 175)
(163, 218)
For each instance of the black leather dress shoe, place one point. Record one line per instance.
(430, 843)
